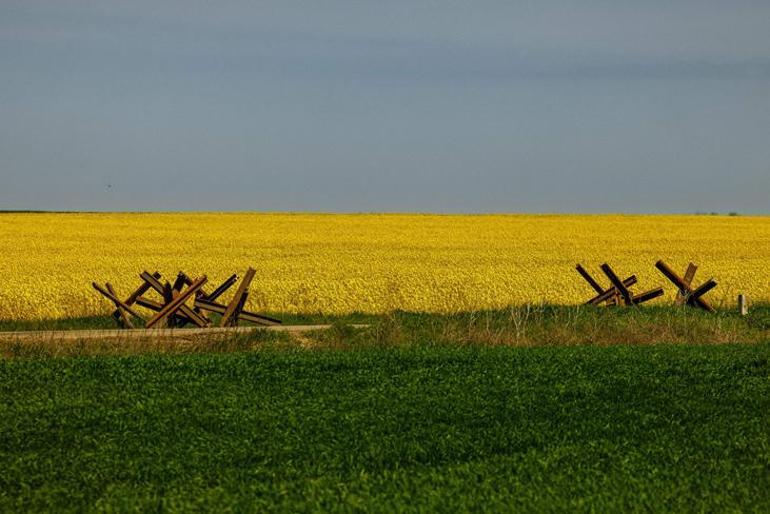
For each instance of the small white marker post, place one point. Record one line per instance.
(743, 307)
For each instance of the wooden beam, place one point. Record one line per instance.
(609, 293)
(627, 299)
(124, 320)
(670, 274)
(239, 308)
(245, 315)
(684, 287)
(185, 310)
(588, 278)
(233, 305)
(201, 293)
(168, 297)
(649, 295)
(117, 301)
(155, 306)
(154, 283)
(689, 275)
(695, 297)
(224, 286)
(149, 304)
(141, 290)
(188, 281)
(179, 283)
(177, 303)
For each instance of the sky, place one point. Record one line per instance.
(543, 106)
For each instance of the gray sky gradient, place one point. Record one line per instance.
(431, 106)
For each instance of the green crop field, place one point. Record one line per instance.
(418, 428)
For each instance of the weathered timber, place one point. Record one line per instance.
(244, 315)
(219, 291)
(149, 304)
(223, 287)
(588, 278)
(168, 297)
(689, 275)
(179, 283)
(236, 300)
(173, 308)
(696, 295)
(610, 293)
(685, 288)
(649, 295)
(177, 303)
(184, 310)
(618, 284)
(117, 301)
(141, 289)
(122, 317)
(186, 280)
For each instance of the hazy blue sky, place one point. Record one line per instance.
(477, 106)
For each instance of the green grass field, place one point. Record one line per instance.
(417, 428)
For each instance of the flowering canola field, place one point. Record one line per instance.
(328, 263)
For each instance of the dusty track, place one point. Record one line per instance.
(140, 333)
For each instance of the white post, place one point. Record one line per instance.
(743, 307)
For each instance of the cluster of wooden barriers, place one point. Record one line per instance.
(619, 293)
(171, 308)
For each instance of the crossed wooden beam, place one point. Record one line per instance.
(618, 293)
(173, 309)
(687, 295)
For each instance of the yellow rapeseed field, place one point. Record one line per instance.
(371, 263)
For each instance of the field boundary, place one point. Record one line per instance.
(160, 333)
